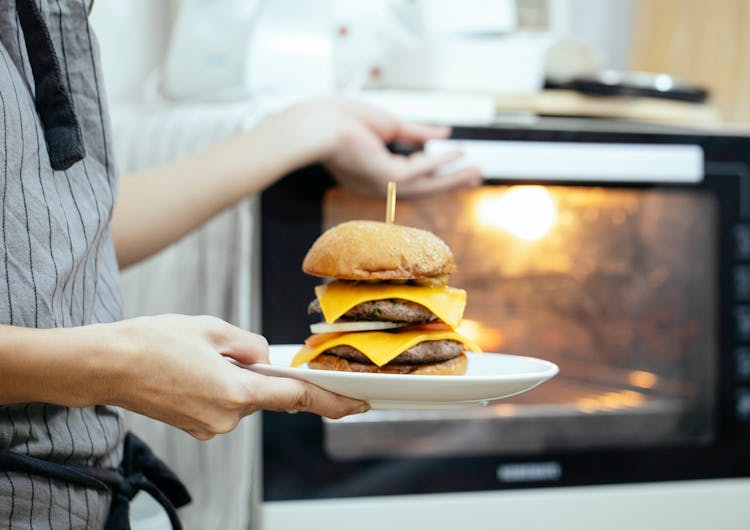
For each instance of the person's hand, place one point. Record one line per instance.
(357, 156)
(172, 368)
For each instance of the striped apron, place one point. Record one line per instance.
(57, 262)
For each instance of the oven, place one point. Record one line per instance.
(619, 252)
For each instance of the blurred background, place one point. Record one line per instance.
(525, 55)
(184, 74)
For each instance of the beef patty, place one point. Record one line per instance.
(430, 351)
(391, 310)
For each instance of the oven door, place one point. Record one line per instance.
(618, 257)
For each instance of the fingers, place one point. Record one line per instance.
(241, 345)
(200, 435)
(432, 183)
(417, 175)
(420, 163)
(269, 393)
(418, 134)
(390, 128)
(291, 395)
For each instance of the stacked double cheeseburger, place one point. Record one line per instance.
(388, 308)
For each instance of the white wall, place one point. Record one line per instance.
(607, 25)
(133, 37)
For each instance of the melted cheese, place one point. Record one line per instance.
(379, 346)
(336, 298)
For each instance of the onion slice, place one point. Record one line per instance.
(363, 325)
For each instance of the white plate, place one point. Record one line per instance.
(489, 376)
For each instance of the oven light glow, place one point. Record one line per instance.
(642, 379)
(610, 401)
(632, 399)
(526, 212)
(587, 405)
(505, 410)
(489, 339)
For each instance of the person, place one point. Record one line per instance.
(68, 361)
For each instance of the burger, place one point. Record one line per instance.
(388, 308)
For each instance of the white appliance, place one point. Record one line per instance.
(318, 47)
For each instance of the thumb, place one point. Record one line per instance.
(293, 395)
(243, 346)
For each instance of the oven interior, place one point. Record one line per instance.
(616, 285)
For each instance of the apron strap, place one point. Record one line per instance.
(140, 470)
(21, 463)
(52, 99)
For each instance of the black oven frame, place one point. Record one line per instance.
(295, 465)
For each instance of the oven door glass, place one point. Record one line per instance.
(616, 285)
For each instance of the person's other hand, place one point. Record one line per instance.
(172, 368)
(358, 158)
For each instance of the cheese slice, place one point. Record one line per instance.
(379, 346)
(336, 298)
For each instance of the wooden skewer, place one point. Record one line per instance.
(390, 207)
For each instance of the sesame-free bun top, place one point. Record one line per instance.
(371, 250)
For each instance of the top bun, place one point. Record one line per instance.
(370, 250)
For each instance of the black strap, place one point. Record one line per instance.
(140, 470)
(53, 102)
(12, 461)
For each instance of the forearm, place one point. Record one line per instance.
(66, 366)
(168, 367)
(158, 206)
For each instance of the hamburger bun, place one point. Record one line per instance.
(455, 366)
(371, 250)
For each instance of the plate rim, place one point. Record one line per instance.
(550, 371)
